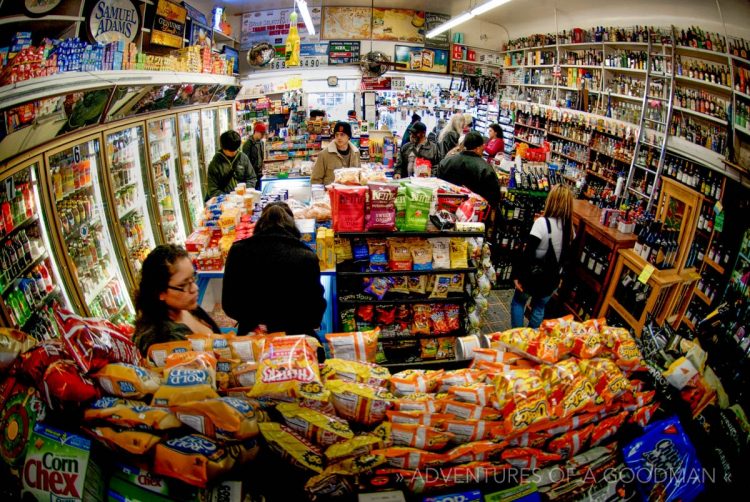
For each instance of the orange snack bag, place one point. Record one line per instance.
(420, 402)
(466, 431)
(579, 396)
(125, 413)
(318, 427)
(288, 364)
(361, 346)
(359, 403)
(158, 352)
(419, 436)
(194, 459)
(459, 377)
(637, 400)
(134, 442)
(189, 376)
(476, 451)
(569, 444)
(563, 425)
(532, 413)
(528, 439)
(417, 417)
(410, 458)
(224, 370)
(588, 342)
(517, 384)
(529, 458)
(478, 393)
(607, 428)
(411, 381)
(625, 351)
(200, 342)
(609, 382)
(127, 380)
(469, 411)
(643, 416)
(559, 331)
(243, 374)
(224, 418)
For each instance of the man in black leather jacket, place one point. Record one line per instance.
(418, 147)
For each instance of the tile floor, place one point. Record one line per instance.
(497, 317)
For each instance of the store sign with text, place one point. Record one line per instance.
(375, 84)
(169, 24)
(433, 20)
(113, 21)
(310, 56)
(272, 26)
(343, 52)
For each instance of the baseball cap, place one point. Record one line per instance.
(259, 127)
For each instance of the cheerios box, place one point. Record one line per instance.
(59, 467)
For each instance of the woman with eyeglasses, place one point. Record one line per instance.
(167, 299)
(272, 279)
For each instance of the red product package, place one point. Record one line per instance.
(607, 428)
(348, 208)
(64, 382)
(94, 343)
(382, 207)
(529, 458)
(569, 444)
(36, 361)
(642, 416)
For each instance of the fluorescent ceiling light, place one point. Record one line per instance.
(476, 11)
(481, 9)
(302, 4)
(450, 24)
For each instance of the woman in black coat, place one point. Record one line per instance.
(273, 278)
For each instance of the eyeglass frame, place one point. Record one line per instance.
(192, 281)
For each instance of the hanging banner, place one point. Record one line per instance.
(169, 25)
(433, 20)
(272, 26)
(398, 25)
(343, 52)
(346, 23)
(420, 59)
(113, 21)
(375, 84)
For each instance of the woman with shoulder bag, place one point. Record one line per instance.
(546, 250)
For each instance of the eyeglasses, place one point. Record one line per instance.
(184, 288)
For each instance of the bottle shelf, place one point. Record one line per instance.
(701, 115)
(567, 139)
(703, 83)
(601, 177)
(388, 273)
(719, 57)
(34, 262)
(524, 140)
(24, 224)
(714, 265)
(579, 161)
(530, 126)
(624, 69)
(588, 278)
(700, 294)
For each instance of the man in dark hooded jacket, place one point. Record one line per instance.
(469, 169)
(229, 167)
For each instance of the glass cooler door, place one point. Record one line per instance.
(224, 117)
(210, 138)
(126, 164)
(190, 154)
(86, 242)
(162, 142)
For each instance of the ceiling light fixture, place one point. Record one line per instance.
(302, 5)
(476, 11)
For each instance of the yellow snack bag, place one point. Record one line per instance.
(359, 346)
(224, 371)
(127, 380)
(318, 427)
(359, 403)
(224, 418)
(335, 480)
(158, 352)
(124, 413)
(410, 458)
(134, 442)
(411, 381)
(353, 371)
(191, 378)
(194, 459)
(242, 348)
(221, 345)
(459, 253)
(287, 365)
(200, 342)
(419, 436)
(292, 447)
(243, 375)
(354, 447)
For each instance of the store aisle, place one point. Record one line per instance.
(497, 317)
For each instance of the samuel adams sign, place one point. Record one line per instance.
(113, 20)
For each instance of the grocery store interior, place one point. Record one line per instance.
(475, 250)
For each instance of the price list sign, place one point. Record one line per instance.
(343, 52)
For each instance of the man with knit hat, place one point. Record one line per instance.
(418, 147)
(414, 119)
(339, 153)
(469, 169)
(255, 151)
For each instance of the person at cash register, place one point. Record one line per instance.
(339, 153)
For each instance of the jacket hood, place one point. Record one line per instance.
(332, 147)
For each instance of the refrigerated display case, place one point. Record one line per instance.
(224, 119)
(164, 160)
(125, 156)
(77, 209)
(29, 277)
(191, 150)
(210, 137)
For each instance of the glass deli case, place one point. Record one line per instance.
(190, 155)
(78, 198)
(162, 141)
(126, 161)
(30, 280)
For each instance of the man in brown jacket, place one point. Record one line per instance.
(339, 153)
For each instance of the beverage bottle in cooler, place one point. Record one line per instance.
(23, 306)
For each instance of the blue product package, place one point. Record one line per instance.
(472, 496)
(664, 463)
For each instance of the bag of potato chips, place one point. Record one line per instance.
(189, 376)
(359, 346)
(292, 446)
(363, 404)
(354, 447)
(320, 428)
(158, 352)
(194, 459)
(353, 371)
(134, 442)
(288, 364)
(224, 418)
(124, 413)
(127, 380)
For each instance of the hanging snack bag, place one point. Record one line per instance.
(292, 447)
(359, 346)
(385, 315)
(194, 459)
(318, 427)
(377, 286)
(353, 371)
(399, 254)
(127, 380)
(421, 319)
(343, 248)
(456, 284)
(382, 207)
(400, 206)
(400, 283)
(225, 418)
(93, 343)
(363, 404)
(158, 352)
(441, 257)
(348, 208)
(133, 414)
(287, 367)
(418, 201)
(421, 252)
(133, 442)
(459, 253)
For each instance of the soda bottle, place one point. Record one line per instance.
(39, 279)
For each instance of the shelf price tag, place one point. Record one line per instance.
(646, 273)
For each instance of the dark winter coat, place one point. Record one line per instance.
(256, 153)
(273, 279)
(166, 330)
(427, 150)
(470, 170)
(224, 173)
(449, 142)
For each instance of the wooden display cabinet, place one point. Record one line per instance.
(679, 208)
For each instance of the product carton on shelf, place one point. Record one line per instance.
(306, 227)
(59, 467)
